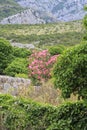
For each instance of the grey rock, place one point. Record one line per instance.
(20, 45)
(63, 10)
(12, 84)
(6, 87)
(26, 16)
(43, 11)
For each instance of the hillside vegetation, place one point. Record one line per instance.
(22, 114)
(68, 33)
(58, 76)
(8, 7)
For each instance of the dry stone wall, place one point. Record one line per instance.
(12, 83)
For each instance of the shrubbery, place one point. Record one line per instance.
(55, 50)
(22, 75)
(6, 53)
(18, 114)
(70, 71)
(21, 52)
(17, 66)
(11, 59)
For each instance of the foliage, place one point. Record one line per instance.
(55, 50)
(85, 7)
(22, 75)
(46, 93)
(85, 21)
(8, 8)
(21, 52)
(6, 52)
(65, 33)
(70, 71)
(61, 125)
(40, 66)
(18, 113)
(85, 24)
(17, 66)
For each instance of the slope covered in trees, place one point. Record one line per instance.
(69, 33)
(8, 7)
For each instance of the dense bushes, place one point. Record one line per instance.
(55, 50)
(17, 66)
(21, 52)
(70, 71)
(47, 35)
(61, 125)
(13, 60)
(5, 54)
(20, 114)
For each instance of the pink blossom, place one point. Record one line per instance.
(41, 64)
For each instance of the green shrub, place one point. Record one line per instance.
(21, 114)
(21, 52)
(18, 66)
(61, 125)
(20, 75)
(55, 50)
(5, 54)
(70, 71)
(85, 21)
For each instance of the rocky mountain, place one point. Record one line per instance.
(64, 10)
(29, 16)
(42, 11)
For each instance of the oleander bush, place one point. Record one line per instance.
(70, 71)
(40, 66)
(24, 114)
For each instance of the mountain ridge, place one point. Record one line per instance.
(45, 11)
(8, 8)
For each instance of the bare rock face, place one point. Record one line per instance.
(20, 45)
(45, 11)
(63, 10)
(27, 17)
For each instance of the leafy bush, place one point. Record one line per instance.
(40, 66)
(50, 34)
(5, 54)
(85, 21)
(22, 75)
(61, 125)
(17, 114)
(55, 50)
(18, 65)
(70, 71)
(21, 52)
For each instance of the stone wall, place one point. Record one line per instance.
(20, 45)
(12, 83)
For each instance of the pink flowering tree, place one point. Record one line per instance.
(40, 66)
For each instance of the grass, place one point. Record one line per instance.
(69, 33)
(45, 94)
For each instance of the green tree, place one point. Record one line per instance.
(70, 71)
(21, 52)
(17, 66)
(5, 54)
(85, 24)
